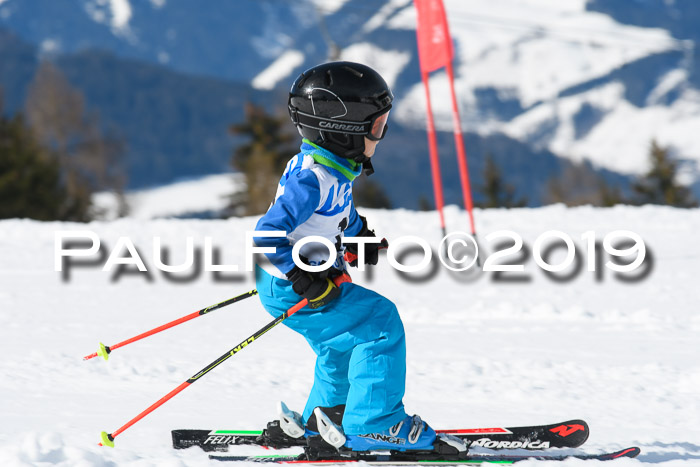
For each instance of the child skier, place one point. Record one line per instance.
(341, 111)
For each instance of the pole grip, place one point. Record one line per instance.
(350, 257)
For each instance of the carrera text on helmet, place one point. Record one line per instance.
(342, 127)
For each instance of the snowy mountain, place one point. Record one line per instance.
(621, 354)
(230, 40)
(582, 80)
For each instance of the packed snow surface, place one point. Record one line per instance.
(621, 355)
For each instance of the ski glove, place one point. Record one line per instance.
(317, 290)
(371, 249)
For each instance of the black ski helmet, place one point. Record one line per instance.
(337, 104)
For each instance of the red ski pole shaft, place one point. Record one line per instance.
(106, 350)
(108, 438)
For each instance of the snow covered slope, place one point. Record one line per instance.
(622, 355)
(200, 197)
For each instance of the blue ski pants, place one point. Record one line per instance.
(360, 345)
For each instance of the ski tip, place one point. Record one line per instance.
(629, 452)
(578, 421)
(107, 439)
(574, 432)
(103, 351)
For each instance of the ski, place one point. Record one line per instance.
(415, 459)
(569, 434)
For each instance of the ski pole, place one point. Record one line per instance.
(105, 350)
(350, 257)
(108, 438)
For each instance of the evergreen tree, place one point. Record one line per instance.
(30, 180)
(496, 192)
(658, 185)
(261, 159)
(424, 204)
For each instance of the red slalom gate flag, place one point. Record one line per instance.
(434, 42)
(435, 52)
